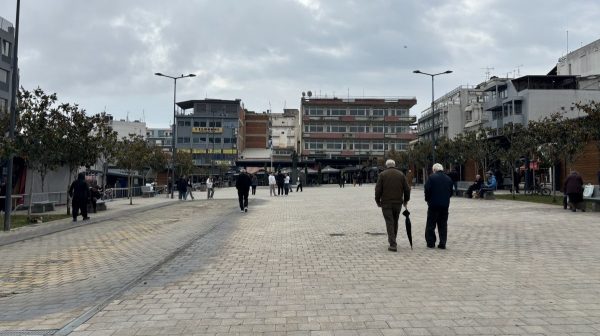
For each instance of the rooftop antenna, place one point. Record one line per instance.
(270, 106)
(127, 118)
(519, 69)
(143, 115)
(487, 72)
(284, 104)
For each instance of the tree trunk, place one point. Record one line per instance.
(130, 190)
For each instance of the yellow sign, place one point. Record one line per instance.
(207, 151)
(207, 129)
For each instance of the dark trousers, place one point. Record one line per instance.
(243, 198)
(436, 216)
(470, 190)
(299, 187)
(253, 190)
(279, 189)
(79, 206)
(286, 188)
(391, 215)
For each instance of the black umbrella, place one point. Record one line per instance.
(408, 225)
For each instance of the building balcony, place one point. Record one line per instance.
(493, 104)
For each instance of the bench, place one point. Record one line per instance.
(147, 191)
(462, 187)
(43, 206)
(594, 200)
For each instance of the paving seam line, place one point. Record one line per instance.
(82, 223)
(81, 319)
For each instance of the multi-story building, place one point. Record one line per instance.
(285, 135)
(354, 130)
(528, 98)
(256, 153)
(7, 38)
(453, 113)
(212, 130)
(125, 128)
(161, 137)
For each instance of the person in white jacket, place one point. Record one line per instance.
(210, 191)
(272, 184)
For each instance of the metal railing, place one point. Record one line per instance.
(60, 197)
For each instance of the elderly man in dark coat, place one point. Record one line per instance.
(80, 193)
(438, 190)
(242, 184)
(391, 192)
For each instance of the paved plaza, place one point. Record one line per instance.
(311, 263)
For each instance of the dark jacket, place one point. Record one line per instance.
(453, 174)
(391, 188)
(280, 178)
(79, 190)
(182, 185)
(573, 184)
(254, 180)
(438, 190)
(243, 182)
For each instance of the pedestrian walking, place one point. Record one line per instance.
(391, 192)
(182, 188)
(79, 193)
(453, 174)
(280, 179)
(299, 186)
(210, 190)
(438, 190)
(286, 184)
(272, 184)
(95, 195)
(342, 181)
(409, 178)
(254, 183)
(242, 185)
(573, 187)
(189, 188)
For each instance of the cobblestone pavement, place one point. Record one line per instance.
(311, 263)
(305, 265)
(47, 281)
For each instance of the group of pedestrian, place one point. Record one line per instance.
(282, 181)
(184, 188)
(481, 186)
(392, 191)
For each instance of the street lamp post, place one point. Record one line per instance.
(432, 106)
(174, 78)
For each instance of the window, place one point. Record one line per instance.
(3, 76)
(196, 124)
(334, 145)
(226, 140)
(359, 111)
(338, 129)
(187, 123)
(196, 140)
(180, 123)
(179, 140)
(218, 140)
(203, 124)
(3, 106)
(203, 139)
(377, 146)
(378, 112)
(313, 128)
(338, 112)
(6, 48)
(503, 94)
(377, 129)
(357, 129)
(314, 111)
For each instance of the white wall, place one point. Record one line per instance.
(542, 103)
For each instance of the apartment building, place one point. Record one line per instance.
(211, 129)
(354, 130)
(528, 98)
(161, 137)
(455, 112)
(7, 39)
(256, 152)
(285, 134)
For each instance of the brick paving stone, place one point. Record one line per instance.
(510, 269)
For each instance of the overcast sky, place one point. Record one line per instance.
(102, 54)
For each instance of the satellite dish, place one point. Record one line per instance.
(309, 93)
(303, 94)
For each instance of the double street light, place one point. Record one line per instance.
(432, 105)
(174, 78)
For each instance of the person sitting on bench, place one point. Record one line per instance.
(490, 185)
(475, 186)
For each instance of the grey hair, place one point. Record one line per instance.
(437, 167)
(390, 163)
